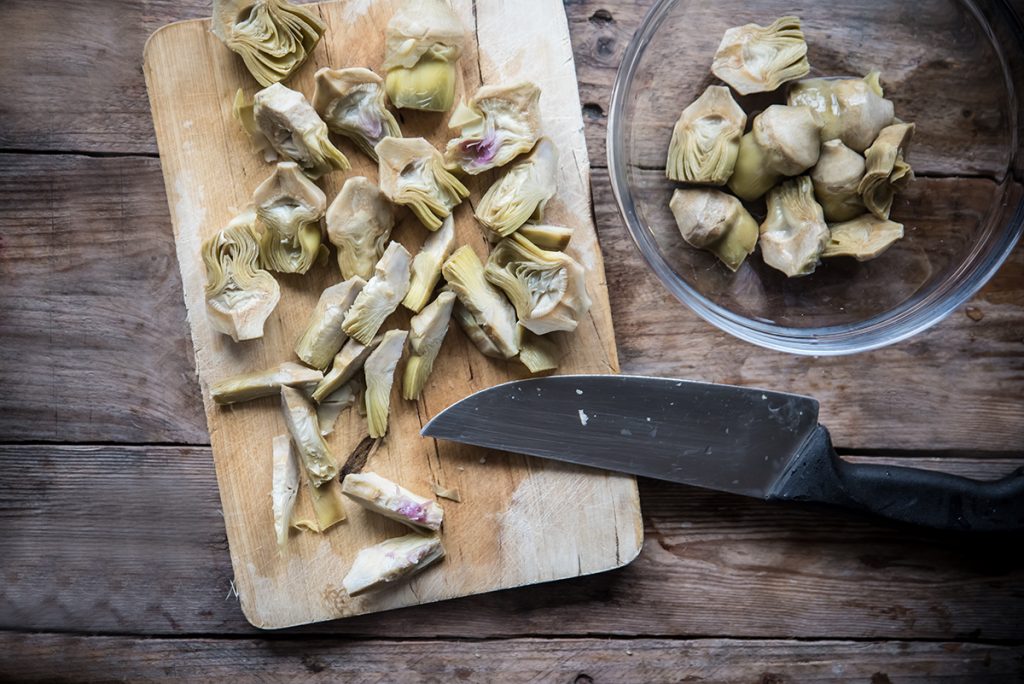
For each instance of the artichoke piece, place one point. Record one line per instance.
(359, 223)
(520, 195)
(351, 103)
(498, 124)
(273, 37)
(391, 560)
(239, 295)
(706, 139)
(863, 238)
(346, 364)
(886, 168)
(758, 59)
(384, 497)
(241, 110)
(794, 233)
(492, 316)
(289, 208)
(300, 417)
(851, 109)
(547, 237)
(412, 173)
(426, 266)
(295, 131)
(836, 178)
(332, 406)
(323, 336)
(284, 486)
(379, 372)
(265, 383)
(475, 333)
(712, 220)
(427, 330)
(548, 289)
(423, 40)
(783, 141)
(539, 353)
(381, 296)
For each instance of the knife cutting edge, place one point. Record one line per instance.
(752, 442)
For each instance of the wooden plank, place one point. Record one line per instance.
(46, 657)
(134, 543)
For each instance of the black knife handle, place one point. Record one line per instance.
(911, 495)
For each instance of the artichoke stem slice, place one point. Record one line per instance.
(346, 364)
(264, 383)
(426, 266)
(323, 336)
(391, 561)
(284, 486)
(300, 417)
(379, 372)
(387, 498)
(427, 331)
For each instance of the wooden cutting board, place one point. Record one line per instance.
(521, 520)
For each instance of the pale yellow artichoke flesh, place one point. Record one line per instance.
(423, 40)
(389, 499)
(323, 336)
(346, 364)
(300, 417)
(851, 109)
(712, 220)
(487, 312)
(264, 383)
(427, 331)
(284, 486)
(289, 208)
(836, 178)
(547, 236)
(539, 353)
(391, 561)
(426, 266)
(379, 373)
(783, 141)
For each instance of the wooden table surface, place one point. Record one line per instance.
(113, 559)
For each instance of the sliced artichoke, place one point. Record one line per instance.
(332, 406)
(423, 41)
(239, 295)
(381, 296)
(359, 223)
(851, 109)
(863, 238)
(351, 103)
(295, 131)
(706, 139)
(475, 333)
(241, 110)
(492, 316)
(547, 236)
(426, 266)
(498, 124)
(264, 383)
(289, 208)
(346, 364)
(427, 330)
(384, 497)
(539, 353)
(323, 336)
(886, 168)
(390, 561)
(273, 37)
(758, 59)
(300, 417)
(712, 220)
(379, 372)
(284, 486)
(794, 233)
(412, 174)
(783, 141)
(836, 178)
(548, 289)
(520, 195)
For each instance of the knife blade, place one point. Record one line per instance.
(751, 442)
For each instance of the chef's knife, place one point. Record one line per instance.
(757, 443)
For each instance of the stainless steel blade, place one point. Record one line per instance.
(734, 439)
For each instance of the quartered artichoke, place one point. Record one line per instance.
(836, 178)
(539, 353)
(300, 417)
(426, 265)
(359, 223)
(547, 236)
(548, 289)
(239, 295)
(412, 174)
(423, 41)
(783, 141)
(295, 131)
(265, 383)
(498, 124)
(794, 233)
(520, 195)
(712, 220)
(863, 238)
(379, 372)
(851, 109)
(757, 59)
(351, 103)
(273, 37)
(346, 364)
(323, 336)
(284, 486)
(387, 498)
(427, 330)
(390, 561)
(886, 168)
(706, 139)
(289, 208)
(241, 110)
(488, 317)
(381, 296)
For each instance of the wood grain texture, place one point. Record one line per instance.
(520, 521)
(50, 658)
(142, 550)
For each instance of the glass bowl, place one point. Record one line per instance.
(953, 67)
